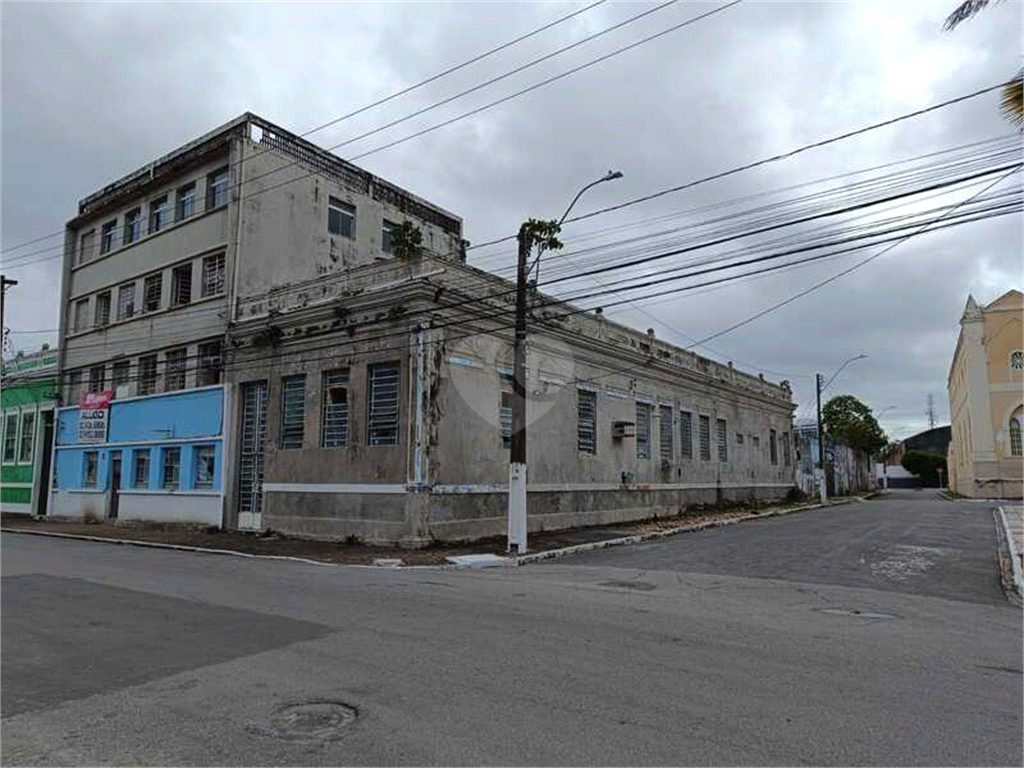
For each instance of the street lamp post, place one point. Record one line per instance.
(517, 458)
(822, 490)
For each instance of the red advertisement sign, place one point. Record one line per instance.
(93, 415)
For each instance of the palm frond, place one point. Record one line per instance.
(963, 12)
(1013, 100)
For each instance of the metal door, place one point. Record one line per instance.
(252, 441)
(115, 483)
(46, 446)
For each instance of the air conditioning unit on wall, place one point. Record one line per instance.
(623, 429)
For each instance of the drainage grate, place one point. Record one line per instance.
(309, 721)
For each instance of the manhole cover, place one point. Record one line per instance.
(645, 586)
(858, 613)
(310, 721)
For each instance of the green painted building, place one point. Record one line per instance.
(28, 399)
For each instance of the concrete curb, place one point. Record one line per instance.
(551, 554)
(1018, 579)
(210, 551)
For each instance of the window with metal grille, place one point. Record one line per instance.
(665, 431)
(773, 448)
(383, 404)
(152, 289)
(785, 449)
(147, 375)
(10, 436)
(643, 430)
(586, 421)
(174, 369)
(217, 188)
(293, 411)
(505, 418)
(172, 469)
(107, 233)
(705, 438)
(1015, 437)
(87, 247)
(387, 236)
(723, 438)
(341, 218)
(126, 301)
(210, 364)
(74, 387)
(185, 204)
(213, 275)
(132, 226)
(181, 285)
(101, 312)
(159, 214)
(91, 460)
(205, 459)
(28, 436)
(96, 376)
(334, 430)
(121, 372)
(140, 471)
(686, 434)
(81, 310)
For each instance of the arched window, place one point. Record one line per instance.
(1015, 441)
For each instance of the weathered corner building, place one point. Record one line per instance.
(358, 393)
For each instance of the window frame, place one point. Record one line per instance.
(117, 367)
(132, 228)
(126, 309)
(388, 229)
(84, 247)
(218, 262)
(148, 378)
(81, 311)
(209, 364)
(346, 213)
(644, 412)
(137, 454)
(94, 464)
(97, 381)
(176, 285)
(773, 448)
(200, 482)
(666, 436)
(217, 188)
(704, 436)
(10, 455)
(1016, 446)
(291, 433)
(176, 366)
(107, 232)
(25, 456)
(1016, 355)
(102, 302)
(166, 453)
(585, 425)
(148, 282)
(159, 213)
(722, 439)
(185, 196)
(686, 434)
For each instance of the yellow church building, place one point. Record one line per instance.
(986, 400)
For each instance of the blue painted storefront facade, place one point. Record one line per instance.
(189, 421)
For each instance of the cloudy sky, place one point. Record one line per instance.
(91, 91)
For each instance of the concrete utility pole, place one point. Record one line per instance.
(4, 282)
(821, 445)
(529, 233)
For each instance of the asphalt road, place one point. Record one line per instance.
(123, 655)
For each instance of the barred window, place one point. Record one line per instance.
(665, 429)
(140, 474)
(174, 370)
(686, 434)
(28, 435)
(152, 288)
(172, 468)
(126, 301)
(213, 275)
(101, 312)
(643, 430)
(96, 377)
(1015, 436)
(181, 285)
(147, 375)
(120, 374)
(205, 456)
(132, 225)
(10, 437)
(334, 431)
(723, 437)
(293, 411)
(210, 364)
(773, 449)
(383, 404)
(159, 214)
(341, 218)
(107, 233)
(786, 458)
(705, 438)
(505, 419)
(586, 421)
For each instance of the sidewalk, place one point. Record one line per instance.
(542, 545)
(1012, 520)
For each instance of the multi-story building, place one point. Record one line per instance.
(336, 381)
(986, 400)
(28, 398)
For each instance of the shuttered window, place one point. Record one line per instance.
(293, 411)
(705, 438)
(785, 448)
(586, 421)
(723, 437)
(334, 430)
(773, 448)
(643, 430)
(665, 430)
(686, 434)
(382, 416)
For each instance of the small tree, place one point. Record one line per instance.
(925, 464)
(408, 241)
